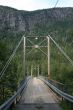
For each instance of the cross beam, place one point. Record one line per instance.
(38, 47)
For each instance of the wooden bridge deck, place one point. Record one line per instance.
(37, 96)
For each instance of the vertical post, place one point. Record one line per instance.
(24, 44)
(31, 70)
(48, 57)
(27, 71)
(38, 70)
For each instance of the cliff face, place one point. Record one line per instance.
(16, 20)
(11, 19)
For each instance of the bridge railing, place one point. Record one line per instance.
(55, 88)
(12, 71)
(15, 97)
(55, 83)
(67, 88)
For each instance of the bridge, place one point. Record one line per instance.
(36, 90)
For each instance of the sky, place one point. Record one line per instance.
(35, 4)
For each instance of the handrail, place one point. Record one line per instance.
(8, 103)
(55, 81)
(58, 91)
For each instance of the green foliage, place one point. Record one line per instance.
(13, 76)
(61, 70)
(66, 105)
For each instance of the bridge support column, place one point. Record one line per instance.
(24, 54)
(31, 70)
(38, 70)
(48, 56)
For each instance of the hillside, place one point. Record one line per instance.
(16, 20)
(58, 22)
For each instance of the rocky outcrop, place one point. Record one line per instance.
(16, 20)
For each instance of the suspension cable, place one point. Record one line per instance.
(56, 3)
(62, 51)
(10, 58)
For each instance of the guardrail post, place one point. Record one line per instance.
(62, 90)
(38, 70)
(31, 70)
(15, 101)
(18, 98)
